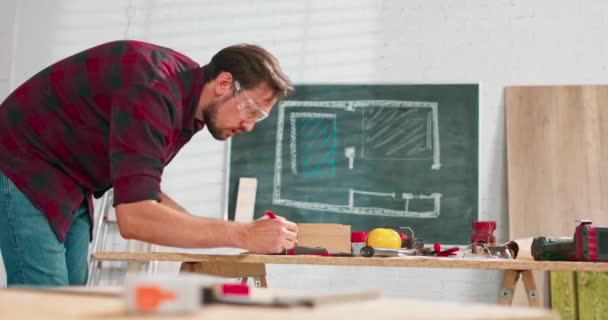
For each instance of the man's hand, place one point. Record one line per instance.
(271, 235)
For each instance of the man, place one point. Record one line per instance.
(114, 116)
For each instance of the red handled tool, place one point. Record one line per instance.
(444, 253)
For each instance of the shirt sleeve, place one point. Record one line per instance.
(140, 123)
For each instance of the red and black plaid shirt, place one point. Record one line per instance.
(110, 116)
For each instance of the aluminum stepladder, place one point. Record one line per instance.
(106, 221)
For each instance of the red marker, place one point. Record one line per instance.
(270, 214)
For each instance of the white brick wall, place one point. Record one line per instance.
(496, 43)
(7, 17)
(7, 28)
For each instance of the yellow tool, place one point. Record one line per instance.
(385, 238)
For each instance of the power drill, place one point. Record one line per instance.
(589, 243)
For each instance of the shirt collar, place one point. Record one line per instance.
(194, 80)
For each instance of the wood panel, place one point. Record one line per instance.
(557, 151)
(592, 288)
(563, 294)
(245, 201)
(333, 237)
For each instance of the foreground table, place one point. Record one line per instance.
(29, 304)
(254, 266)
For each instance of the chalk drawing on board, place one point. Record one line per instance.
(316, 131)
(434, 197)
(353, 192)
(401, 131)
(312, 146)
(350, 153)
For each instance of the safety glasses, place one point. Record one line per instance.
(250, 111)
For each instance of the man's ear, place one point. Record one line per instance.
(224, 83)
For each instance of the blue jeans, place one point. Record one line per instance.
(32, 254)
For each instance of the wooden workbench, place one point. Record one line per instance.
(254, 266)
(29, 304)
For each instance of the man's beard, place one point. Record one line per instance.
(210, 115)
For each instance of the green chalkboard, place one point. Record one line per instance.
(368, 156)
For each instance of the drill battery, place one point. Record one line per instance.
(589, 243)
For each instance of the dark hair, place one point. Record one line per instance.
(250, 65)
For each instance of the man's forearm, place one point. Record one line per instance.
(160, 224)
(168, 201)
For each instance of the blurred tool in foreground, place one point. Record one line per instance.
(187, 294)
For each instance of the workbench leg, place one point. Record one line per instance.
(508, 287)
(260, 282)
(530, 285)
(257, 271)
(187, 267)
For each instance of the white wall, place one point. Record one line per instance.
(7, 15)
(7, 30)
(496, 43)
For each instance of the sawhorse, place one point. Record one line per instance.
(509, 283)
(242, 271)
